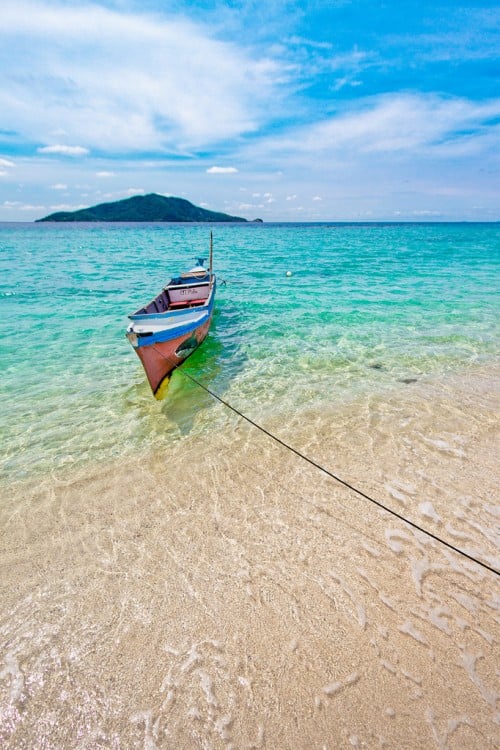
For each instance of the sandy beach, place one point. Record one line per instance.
(230, 595)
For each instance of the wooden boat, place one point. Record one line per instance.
(166, 331)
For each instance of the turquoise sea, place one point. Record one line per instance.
(367, 308)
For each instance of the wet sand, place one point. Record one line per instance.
(227, 594)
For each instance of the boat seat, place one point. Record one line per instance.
(187, 303)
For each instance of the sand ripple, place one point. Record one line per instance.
(228, 595)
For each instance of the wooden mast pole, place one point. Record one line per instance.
(211, 257)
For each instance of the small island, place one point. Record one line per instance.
(149, 208)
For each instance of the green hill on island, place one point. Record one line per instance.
(150, 207)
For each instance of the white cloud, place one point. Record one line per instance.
(221, 170)
(340, 83)
(5, 165)
(391, 123)
(303, 42)
(63, 150)
(134, 191)
(248, 206)
(119, 82)
(353, 60)
(396, 123)
(59, 186)
(66, 207)
(105, 174)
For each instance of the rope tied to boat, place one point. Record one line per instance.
(341, 481)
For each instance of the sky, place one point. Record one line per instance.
(312, 110)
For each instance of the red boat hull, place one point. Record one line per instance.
(161, 358)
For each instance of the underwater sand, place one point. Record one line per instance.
(223, 593)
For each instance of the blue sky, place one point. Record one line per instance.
(288, 111)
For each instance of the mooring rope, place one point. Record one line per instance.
(342, 481)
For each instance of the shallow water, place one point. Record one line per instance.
(174, 578)
(367, 307)
(225, 593)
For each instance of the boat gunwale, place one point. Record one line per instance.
(176, 312)
(182, 286)
(146, 339)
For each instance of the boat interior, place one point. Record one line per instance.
(172, 298)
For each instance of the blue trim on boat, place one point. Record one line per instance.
(166, 315)
(171, 333)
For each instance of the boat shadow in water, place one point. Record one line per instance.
(214, 364)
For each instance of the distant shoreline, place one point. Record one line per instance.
(252, 223)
